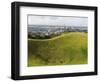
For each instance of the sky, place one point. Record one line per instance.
(57, 20)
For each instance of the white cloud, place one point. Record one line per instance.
(57, 20)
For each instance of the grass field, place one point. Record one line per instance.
(66, 49)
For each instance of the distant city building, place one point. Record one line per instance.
(47, 30)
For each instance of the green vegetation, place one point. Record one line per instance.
(42, 36)
(68, 48)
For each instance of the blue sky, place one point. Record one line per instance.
(57, 20)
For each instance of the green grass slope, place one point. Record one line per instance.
(66, 49)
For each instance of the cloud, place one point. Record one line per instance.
(57, 20)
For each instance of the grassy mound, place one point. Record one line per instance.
(68, 48)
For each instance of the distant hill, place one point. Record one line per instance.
(68, 48)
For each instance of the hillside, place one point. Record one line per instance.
(68, 48)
